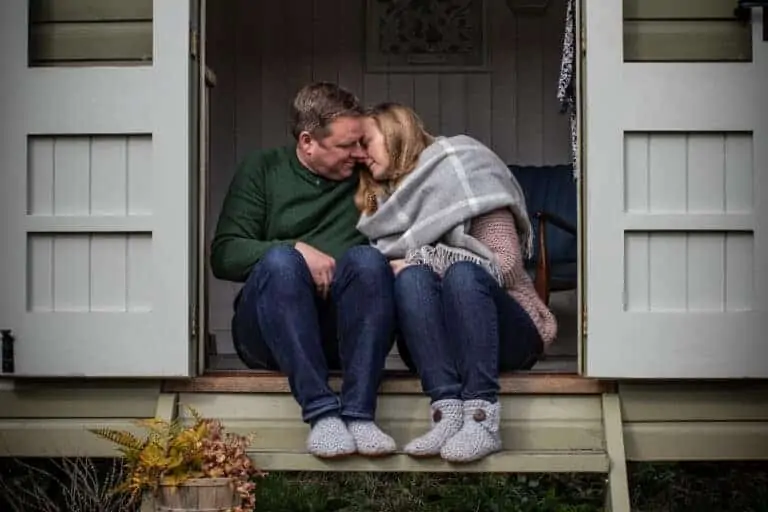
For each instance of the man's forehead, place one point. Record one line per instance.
(346, 128)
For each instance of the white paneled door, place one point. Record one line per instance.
(676, 170)
(95, 204)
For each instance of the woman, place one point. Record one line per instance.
(451, 218)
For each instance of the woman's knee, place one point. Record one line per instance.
(413, 280)
(463, 275)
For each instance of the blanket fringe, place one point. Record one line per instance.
(528, 245)
(440, 257)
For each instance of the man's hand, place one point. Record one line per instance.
(398, 265)
(321, 266)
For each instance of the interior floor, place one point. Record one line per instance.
(551, 364)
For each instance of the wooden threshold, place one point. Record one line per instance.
(393, 383)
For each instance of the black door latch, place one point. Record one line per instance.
(7, 351)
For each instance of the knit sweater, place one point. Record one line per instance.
(274, 200)
(497, 231)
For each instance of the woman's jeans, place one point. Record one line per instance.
(460, 331)
(281, 323)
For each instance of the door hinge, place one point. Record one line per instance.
(8, 355)
(583, 323)
(194, 43)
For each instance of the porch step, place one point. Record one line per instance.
(549, 423)
(501, 462)
(393, 383)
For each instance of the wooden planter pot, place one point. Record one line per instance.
(198, 495)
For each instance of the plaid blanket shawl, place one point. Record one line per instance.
(427, 219)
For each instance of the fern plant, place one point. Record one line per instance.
(172, 453)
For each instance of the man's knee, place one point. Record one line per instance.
(282, 265)
(365, 260)
(282, 258)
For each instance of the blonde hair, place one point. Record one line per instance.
(405, 138)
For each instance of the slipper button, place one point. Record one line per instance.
(479, 415)
(437, 416)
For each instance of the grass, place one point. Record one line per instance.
(59, 485)
(305, 492)
(680, 487)
(700, 487)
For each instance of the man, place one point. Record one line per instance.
(316, 296)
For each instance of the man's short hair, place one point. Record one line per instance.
(316, 106)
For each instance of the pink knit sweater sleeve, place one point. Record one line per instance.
(498, 231)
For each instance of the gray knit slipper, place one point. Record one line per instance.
(445, 421)
(329, 439)
(479, 435)
(370, 440)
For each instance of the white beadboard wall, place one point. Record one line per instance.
(262, 52)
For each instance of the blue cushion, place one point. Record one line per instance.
(551, 189)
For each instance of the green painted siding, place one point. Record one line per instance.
(662, 421)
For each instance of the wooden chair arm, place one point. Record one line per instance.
(557, 221)
(542, 280)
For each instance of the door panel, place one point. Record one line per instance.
(676, 220)
(95, 197)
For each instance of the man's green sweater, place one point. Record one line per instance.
(274, 200)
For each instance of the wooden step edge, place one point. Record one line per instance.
(269, 382)
(501, 462)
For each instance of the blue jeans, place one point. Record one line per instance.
(282, 324)
(459, 332)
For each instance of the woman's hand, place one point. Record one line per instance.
(398, 265)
